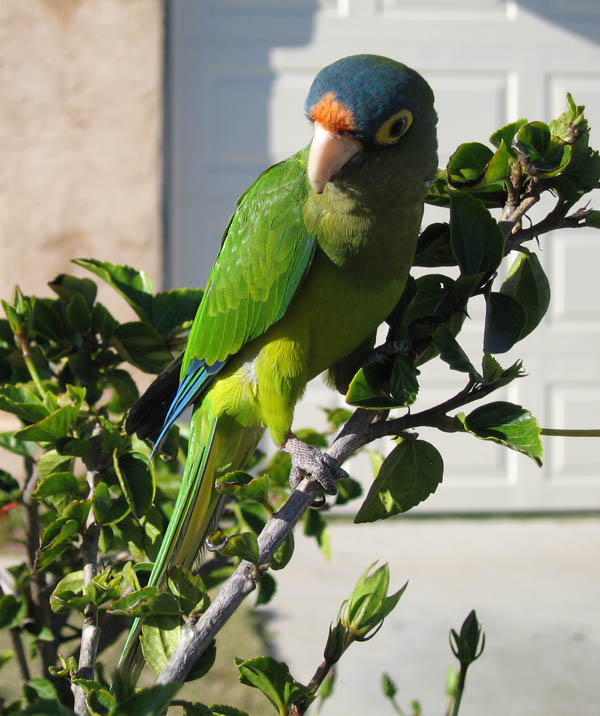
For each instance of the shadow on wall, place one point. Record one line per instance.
(219, 84)
(582, 17)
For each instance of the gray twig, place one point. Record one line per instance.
(90, 634)
(196, 637)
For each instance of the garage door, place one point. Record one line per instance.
(237, 74)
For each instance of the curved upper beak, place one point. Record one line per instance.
(329, 152)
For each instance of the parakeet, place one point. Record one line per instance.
(314, 258)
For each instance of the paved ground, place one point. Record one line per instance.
(534, 583)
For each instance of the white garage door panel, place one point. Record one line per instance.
(238, 75)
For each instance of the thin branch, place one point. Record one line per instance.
(363, 427)
(566, 433)
(39, 590)
(90, 634)
(197, 636)
(574, 221)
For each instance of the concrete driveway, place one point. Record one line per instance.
(535, 584)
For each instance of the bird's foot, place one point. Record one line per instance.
(308, 461)
(384, 353)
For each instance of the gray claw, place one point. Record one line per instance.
(308, 461)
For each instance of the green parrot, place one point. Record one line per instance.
(314, 258)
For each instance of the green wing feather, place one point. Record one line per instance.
(264, 256)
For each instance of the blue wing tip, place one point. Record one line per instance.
(193, 384)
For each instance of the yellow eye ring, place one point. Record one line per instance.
(394, 127)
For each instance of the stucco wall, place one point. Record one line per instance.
(80, 137)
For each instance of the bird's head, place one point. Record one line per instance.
(366, 108)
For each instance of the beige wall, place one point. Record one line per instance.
(80, 137)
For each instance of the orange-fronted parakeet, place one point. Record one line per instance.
(314, 258)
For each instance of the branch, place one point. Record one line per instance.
(363, 427)
(197, 636)
(90, 634)
(39, 590)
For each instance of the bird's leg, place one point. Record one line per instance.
(308, 461)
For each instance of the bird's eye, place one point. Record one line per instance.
(394, 127)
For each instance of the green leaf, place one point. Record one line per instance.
(197, 709)
(51, 462)
(540, 153)
(135, 286)
(77, 510)
(433, 247)
(12, 611)
(188, 588)
(46, 319)
(312, 437)
(142, 346)
(5, 657)
(8, 484)
(477, 241)
(125, 390)
(46, 707)
(432, 291)
(108, 510)
(18, 447)
(505, 321)
(409, 474)
(100, 700)
(103, 321)
(347, 489)
(369, 604)
(59, 489)
(222, 710)
(452, 354)
(507, 424)
(404, 385)
(273, 678)
(67, 286)
(173, 310)
(74, 447)
(159, 639)
(58, 483)
(37, 689)
(475, 166)
(506, 133)
(593, 219)
(527, 283)
(388, 686)
(336, 417)
(104, 587)
(68, 594)
(79, 315)
(495, 374)
(136, 480)
(468, 163)
(55, 540)
(152, 701)
(51, 428)
(370, 388)
(147, 602)
(315, 526)
(267, 587)
(22, 402)
(244, 545)
(244, 487)
(438, 194)
(283, 553)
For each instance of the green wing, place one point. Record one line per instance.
(264, 256)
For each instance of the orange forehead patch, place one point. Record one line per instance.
(332, 114)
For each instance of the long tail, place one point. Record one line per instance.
(216, 445)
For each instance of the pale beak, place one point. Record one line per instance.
(329, 152)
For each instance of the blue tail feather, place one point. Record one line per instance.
(194, 383)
